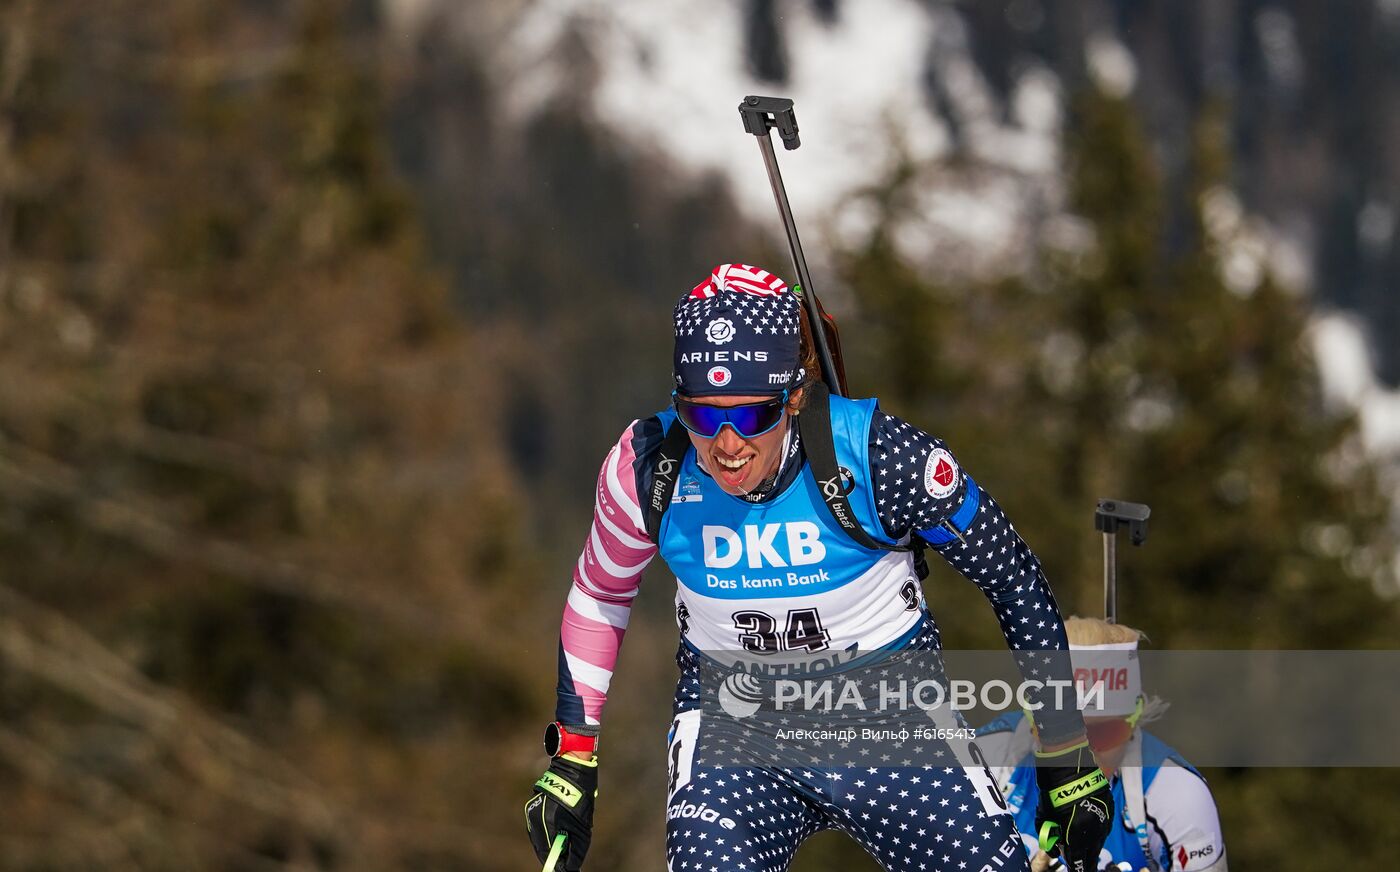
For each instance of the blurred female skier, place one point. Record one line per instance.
(1165, 817)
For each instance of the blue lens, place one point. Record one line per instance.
(748, 421)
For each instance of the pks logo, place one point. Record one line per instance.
(940, 474)
(719, 376)
(720, 331)
(1183, 858)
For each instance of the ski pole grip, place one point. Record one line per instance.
(555, 852)
(762, 114)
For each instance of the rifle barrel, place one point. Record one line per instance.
(799, 262)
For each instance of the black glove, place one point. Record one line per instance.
(563, 803)
(1075, 813)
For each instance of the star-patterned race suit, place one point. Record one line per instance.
(777, 573)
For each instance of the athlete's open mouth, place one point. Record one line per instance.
(732, 471)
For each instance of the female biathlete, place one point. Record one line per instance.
(741, 501)
(1165, 817)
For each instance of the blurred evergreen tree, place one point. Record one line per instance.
(1123, 369)
(248, 458)
(564, 238)
(1273, 526)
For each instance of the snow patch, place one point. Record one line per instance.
(1349, 376)
(1250, 246)
(1111, 64)
(672, 74)
(670, 77)
(1037, 100)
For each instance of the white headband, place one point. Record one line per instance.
(1107, 678)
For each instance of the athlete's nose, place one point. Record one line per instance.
(728, 440)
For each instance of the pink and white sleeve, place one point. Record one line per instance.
(606, 579)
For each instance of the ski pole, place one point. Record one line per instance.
(1046, 840)
(761, 114)
(555, 852)
(1109, 517)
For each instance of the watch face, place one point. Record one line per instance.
(552, 739)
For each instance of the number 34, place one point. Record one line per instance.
(759, 632)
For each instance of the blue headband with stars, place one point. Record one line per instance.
(734, 342)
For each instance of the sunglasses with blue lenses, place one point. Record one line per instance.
(750, 420)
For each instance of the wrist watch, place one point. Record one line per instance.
(558, 740)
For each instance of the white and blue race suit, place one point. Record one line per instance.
(785, 564)
(1165, 819)
(779, 574)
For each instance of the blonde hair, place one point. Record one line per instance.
(1097, 631)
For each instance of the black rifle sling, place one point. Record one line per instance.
(815, 426)
(663, 477)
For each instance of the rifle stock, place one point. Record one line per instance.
(833, 343)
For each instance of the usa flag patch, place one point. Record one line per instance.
(740, 278)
